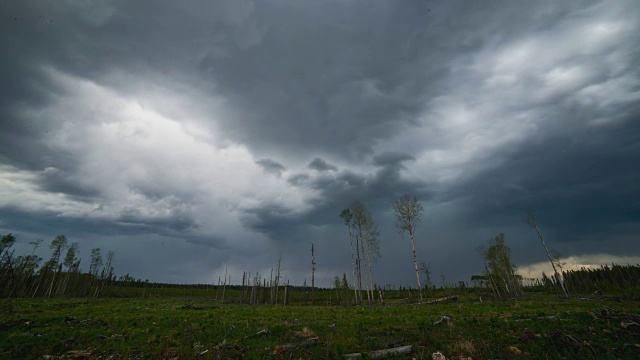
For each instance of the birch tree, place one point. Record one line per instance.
(367, 244)
(96, 262)
(313, 275)
(500, 269)
(531, 220)
(408, 211)
(373, 245)
(358, 211)
(6, 242)
(57, 245)
(347, 216)
(70, 263)
(6, 259)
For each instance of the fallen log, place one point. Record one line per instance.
(383, 354)
(451, 298)
(446, 318)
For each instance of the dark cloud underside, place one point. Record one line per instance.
(234, 131)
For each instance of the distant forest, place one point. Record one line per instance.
(60, 276)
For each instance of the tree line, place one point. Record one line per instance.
(24, 276)
(500, 274)
(60, 275)
(605, 279)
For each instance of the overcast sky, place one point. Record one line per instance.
(187, 137)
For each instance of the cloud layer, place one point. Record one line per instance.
(230, 133)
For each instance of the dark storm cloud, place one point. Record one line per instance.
(335, 191)
(480, 110)
(176, 221)
(391, 159)
(271, 166)
(130, 223)
(65, 182)
(582, 183)
(347, 80)
(275, 221)
(22, 137)
(298, 179)
(341, 81)
(321, 165)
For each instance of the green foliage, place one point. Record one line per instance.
(408, 211)
(346, 216)
(96, 261)
(22, 276)
(6, 242)
(611, 279)
(71, 258)
(501, 272)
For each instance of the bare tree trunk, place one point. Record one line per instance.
(358, 284)
(284, 302)
(63, 289)
(244, 287)
(370, 275)
(532, 221)
(271, 289)
(55, 272)
(353, 266)
(366, 270)
(415, 263)
(254, 289)
(225, 283)
(278, 277)
(313, 275)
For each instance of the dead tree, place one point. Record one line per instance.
(366, 233)
(57, 245)
(531, 220)
(225, 283)
(347, 216)
(313, 275)
(271, 289)
(278, 277)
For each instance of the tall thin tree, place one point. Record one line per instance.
(57, 245)
(531, 220)
(360, 216)
(373, 246)
(347, 216)
(408, 211)
(96, 262)
(366, 231)
(69, 260)
(313, 275)
(278, 277)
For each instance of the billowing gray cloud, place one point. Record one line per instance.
(137, 124)
(581, 183)
(271, 166)
(321, 165)
(391, 159)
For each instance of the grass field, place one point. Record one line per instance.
(544, 326)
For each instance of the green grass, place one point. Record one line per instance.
(542, 327)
